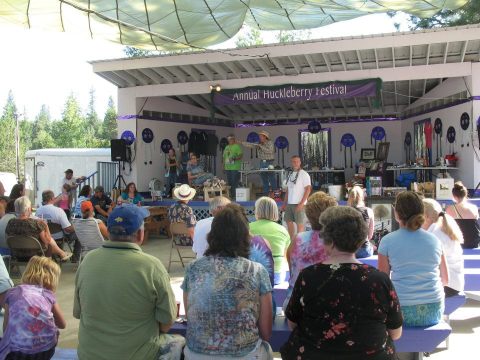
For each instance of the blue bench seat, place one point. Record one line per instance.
(414, 339)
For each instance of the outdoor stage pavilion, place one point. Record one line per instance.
(426, 74)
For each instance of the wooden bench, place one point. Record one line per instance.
(414, 339)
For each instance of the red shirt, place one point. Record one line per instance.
(428, 134)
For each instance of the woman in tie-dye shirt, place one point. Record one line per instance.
(307, 248)
(227, 297)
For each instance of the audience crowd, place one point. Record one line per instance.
(336, 306)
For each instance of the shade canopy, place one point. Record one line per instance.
(178, 24)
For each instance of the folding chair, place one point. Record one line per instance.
(22, 248)
(57, 228)
(88, 234)
(177, 229)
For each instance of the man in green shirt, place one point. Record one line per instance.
(232, 161)
(123, 297)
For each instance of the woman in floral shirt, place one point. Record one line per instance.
(227, 297)
(307, 248)
(341, 309)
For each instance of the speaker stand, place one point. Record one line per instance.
(119, 180)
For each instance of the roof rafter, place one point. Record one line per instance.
(205, 71)
(164, 73)
(311, 63)
(177, 73)
(250, 69)
(190, 70)
(233, 68)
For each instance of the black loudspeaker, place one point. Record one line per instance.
(118, 150)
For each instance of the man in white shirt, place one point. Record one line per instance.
(299, 187)
(73, 182)
(202, 228)
(54, 214)
(51, 213)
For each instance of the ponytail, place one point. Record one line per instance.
(450, 227)
(415, 222)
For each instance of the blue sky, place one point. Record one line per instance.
(44, 68)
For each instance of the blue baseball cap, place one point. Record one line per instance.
(126, 219)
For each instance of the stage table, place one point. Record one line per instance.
(280, 173)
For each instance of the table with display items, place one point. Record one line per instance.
(280, 173)
(326, 176)
(420, 169)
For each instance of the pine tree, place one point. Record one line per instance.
(7, 135)
(109, 126)
(93, 126)
(70, 132)
(41, 131)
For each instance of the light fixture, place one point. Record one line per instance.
(216, 88)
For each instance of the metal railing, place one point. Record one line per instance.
(104, 176)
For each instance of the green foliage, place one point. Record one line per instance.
(73, 130)
(289, 36)
(468, 14)
(130, 51)
(41, 130)
(70, 132)
(93, 126)
(7, 135)
(109, 125)
(249, 37)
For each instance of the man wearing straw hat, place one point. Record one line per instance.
(266, 154)
(181, 212)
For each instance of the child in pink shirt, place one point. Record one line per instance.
(32, 315)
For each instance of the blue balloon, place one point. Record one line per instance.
(451, 134)
(147, 135)
(253, 137)
(166, 145)
(314, 127)
(281, 142)
(347, 140)
(378, 133)
(465, 121)
(182, 137)
(128, 136)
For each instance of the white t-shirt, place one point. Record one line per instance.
(454, 256)
(3, 225)
(296, 183)
(55, 215)
(200, 244)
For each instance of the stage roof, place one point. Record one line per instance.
(409, 63)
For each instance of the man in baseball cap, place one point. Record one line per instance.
(123, 296)
(102, 204)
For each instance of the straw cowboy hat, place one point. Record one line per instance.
(184, 192)
(264, 133)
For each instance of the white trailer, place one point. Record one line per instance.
(44, 169)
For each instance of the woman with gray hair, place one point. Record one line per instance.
(266, 215)
(341, 308)
(23, 224)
